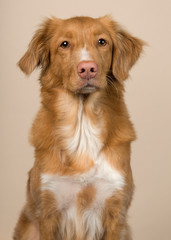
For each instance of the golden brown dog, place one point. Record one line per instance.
(81, 185)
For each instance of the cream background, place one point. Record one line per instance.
(148, 95)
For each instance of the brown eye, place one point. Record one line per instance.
(65, 44)
(102, 42)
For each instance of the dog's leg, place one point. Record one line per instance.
(116, 207)
(115, 224)
(25, 229)
(118, 233)
(49, 229)
(49, 220)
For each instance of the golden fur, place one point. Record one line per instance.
(41, 218)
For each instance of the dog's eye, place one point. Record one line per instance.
(102, 42)
(65, 44)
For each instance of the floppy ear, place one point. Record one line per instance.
(38, 52)
(127, 50)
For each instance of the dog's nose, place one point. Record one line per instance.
(87, 70)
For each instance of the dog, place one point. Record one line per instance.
(81, 184)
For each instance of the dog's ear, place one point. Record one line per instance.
(126, 52)
(126, 48)
(38, 53)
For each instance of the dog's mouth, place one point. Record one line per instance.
(88, 89)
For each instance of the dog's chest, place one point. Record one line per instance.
(81, 197)
(104, 179)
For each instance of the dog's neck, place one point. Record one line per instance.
(78, 121)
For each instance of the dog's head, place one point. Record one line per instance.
(79, 53)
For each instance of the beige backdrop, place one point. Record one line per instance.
(148, 97)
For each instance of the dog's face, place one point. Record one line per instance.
(81, 54)
(78, 54)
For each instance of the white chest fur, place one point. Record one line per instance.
(101, 176)
(86, 137)
(66, 189)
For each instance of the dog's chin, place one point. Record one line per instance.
(88, 89)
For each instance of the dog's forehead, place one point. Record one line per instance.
(85, 25)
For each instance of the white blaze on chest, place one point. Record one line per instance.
(86, 137)
(105, 179)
